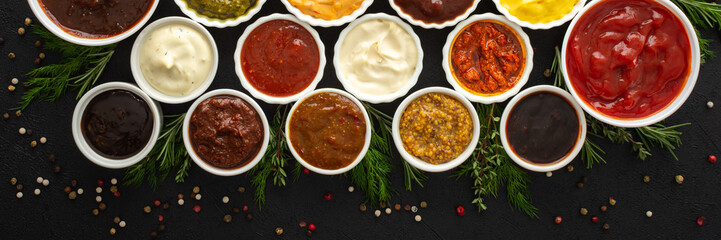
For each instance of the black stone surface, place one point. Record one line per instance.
(51, 215)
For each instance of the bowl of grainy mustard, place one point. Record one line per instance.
(435, 129)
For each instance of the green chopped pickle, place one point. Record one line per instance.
(222, 9)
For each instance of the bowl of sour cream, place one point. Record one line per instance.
(174, 60)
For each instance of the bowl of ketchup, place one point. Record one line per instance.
(630, 63)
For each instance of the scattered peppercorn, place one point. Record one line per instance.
(569, 168)
(460, 210)
(37, 61)
(558, 220)
(196, 189)
(33, 143)
(408, 207)
(414, 209)
(278, 230)
(41, 55)
(98, 198)
(226, 199)
(28, 21)
(2, 40)
(180, 196)
(606, 226)
(311, 227)
(147, 209)
(51, 158)
(102, 206)
(549, 174)
(397, 207)
(96, 212)
(328, 196)
(418, 218)
(594, 219)
(113, 188)
(67, 189)
(160, 217)
(679, 179)
(153, 234)
(612, 201)
(72, 195)
(56, 169)
(308, 233)
(604, 208)
(156, 202)
(235, 210)
(11, 88)
(579, 185)
(383, 205)
(377, 213)
(362, 207)
(196, 208)
(19, 195)
(100, 182)
(11, 55)
(19, 187)
(547, 73)
(241, 189)
(181, 202)
(37, 191)
(699, 220)
(649, 214)
(38, 43)
(166, 205)
(249, 217)
(198, 196)
(584, 211)
(6, 115)
(112, 231)
(302, 224)
(388, 211)
(21, 31)
(116, 194)
(116, 220)
(13, 181)
(122, 224)
(245, 208)
(161, 228)
(584, 179)
(646, 179)
(424, 204)
(306, 171)
(709, 104)
(18, 112)
(711, 158)
(227, 218)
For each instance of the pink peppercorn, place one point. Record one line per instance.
(306, 171)
(460, 210)
(311, 227)
(594, 219)
(196, 208)
(699, 220)
(117, 194)
(245, 208)
(711, 158)
(157, 203)
(160, 218)
(100, 182)
(328, 196)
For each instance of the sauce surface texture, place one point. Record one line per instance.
(628, 59)
(96, 19)
(542, 128)
(434, 11)
(539, 11)
(226, 132)
(117, 124)
(280, 58)
(327, 9)
(221, 9)
(487, 58)
(436, 128)
(327, 130)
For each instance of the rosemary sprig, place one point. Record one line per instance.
(704, 14)
(167, 155)
(274, 160)
(490, 167)
(80, 69)
(410, 173)
(667, 137)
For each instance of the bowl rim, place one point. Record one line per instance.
(204, 165)
(523, 79)
(54, 28)
(218, 23)
(425, 25)
(269, 98)
(315, 169)
(376, 99)
(140, 77)
(415, 161)
(576, 147)
(540, 26)
(669, 109)
(88, 151)
(327, 23)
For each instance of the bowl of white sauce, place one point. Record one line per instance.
(174, 60)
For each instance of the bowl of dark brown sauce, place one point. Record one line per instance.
(543, 128)
(116, 124)
(93, 22)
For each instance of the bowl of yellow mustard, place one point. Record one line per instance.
(327, 13)
(539, 14)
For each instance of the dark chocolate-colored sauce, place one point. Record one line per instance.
(542, 128)
(117, 124)
(96, 18)
(434, 11)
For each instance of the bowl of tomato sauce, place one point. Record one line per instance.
(630, 63)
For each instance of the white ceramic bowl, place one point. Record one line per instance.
(327, 23)
(523, 78)
(218, 23)
(417, 162)
(561, 162)
(138, 73)
(88, 151)
(434, 25)
(548, 25)
(204, 165)
(269, 98)
(661, 114)
(375, 99)
(317, 169)
(58, 31)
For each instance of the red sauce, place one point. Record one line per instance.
(280, 58)
(226, 132)
(96, 18)
(487, 58)
(628, 59)
(434, 11)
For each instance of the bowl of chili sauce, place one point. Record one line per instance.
(93, 23)
(630, 63)
(279, 59)
(487, 58)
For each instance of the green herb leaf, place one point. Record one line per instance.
(274, 160)
(704, 14)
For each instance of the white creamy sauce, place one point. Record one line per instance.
(378, 57)
(175, 59)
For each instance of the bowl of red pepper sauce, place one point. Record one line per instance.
(93, 23)
(487, 58)
(279, 59)
(225, 132)
(630, 63)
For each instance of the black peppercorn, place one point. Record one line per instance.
(161, 228)
(166, 206)
(604, 208)
(249, 217)
(579, 185)
(236, 210)
(584, 179)
(51, 158)
(38, 43)
(56, 169)
(74, 183)
(19, 187)
(153, 234)
(308, 233)
(2, 40)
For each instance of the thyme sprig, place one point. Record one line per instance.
(704, 14)
(80, 68)
(666, 137)
(167, 155)
(410, 174)
(490, 167)
(274, 160)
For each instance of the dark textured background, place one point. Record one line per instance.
(53, 216)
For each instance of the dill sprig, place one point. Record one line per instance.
(410, 174)
(168, 154)
(704, 14)
(666, 137)
(80, 69)
(274, 160)
(490, 167)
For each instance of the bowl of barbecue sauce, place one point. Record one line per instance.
(543, 128)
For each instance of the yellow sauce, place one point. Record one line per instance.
(327, 9)
(539, 11)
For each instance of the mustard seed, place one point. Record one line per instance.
(278, 230)
(679, 179)
(19, 195)
(18, 112)
(80, 191)
(43, 140)
(72, 195)
(6, 115)
(547, 73)
(570, 168)
(377, 213)
(22, 131)
(37, 192)
(28, 21)
(612, 201)
(196, 189)
(113, 189)
(13, 181)
(227, 218)
(146, 209)
(112, 231)
(418, 218)
(11, 55)
(241, 189)
(11, 88)
(122, 224)
(21, 31)
(424, 204)
(39, 180)
(98, 198)
(96, 212)
(116, 220)
(41, 55)
(606, 226)
(646, 179)
(181, 202)
(584, 211)
(33, 143)
(46, 182)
